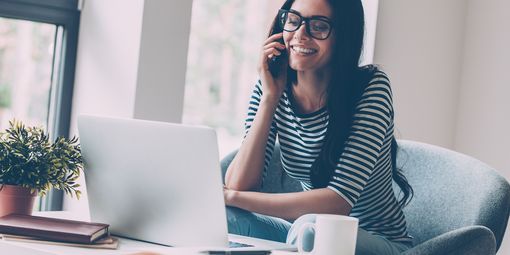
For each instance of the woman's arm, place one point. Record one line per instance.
(289, 206)
(245, 170)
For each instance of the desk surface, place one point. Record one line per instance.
(126, 246)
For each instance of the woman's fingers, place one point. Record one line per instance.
(277, 45)
(272, 43)
(272, 52)
(271, 48)
(267, 54)
(273, 38)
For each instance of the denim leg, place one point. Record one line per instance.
(366, 243)
(242, 222)
(370, 244)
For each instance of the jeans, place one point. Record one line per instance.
(246, 223)
(241, 222)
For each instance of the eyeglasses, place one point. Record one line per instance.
(318, 27)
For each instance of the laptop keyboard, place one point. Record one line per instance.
(238, 245)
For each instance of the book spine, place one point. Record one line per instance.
(44, 234)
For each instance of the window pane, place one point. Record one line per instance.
(26, 58)
(225, 40)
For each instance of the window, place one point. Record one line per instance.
(38, 41)
(26, 57)
(225, 41)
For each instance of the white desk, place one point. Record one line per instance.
(126, 246)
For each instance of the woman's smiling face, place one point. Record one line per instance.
(305, 52)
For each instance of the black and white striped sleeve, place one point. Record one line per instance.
(252, 111)
(372, 119)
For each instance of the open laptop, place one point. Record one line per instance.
(158, 182)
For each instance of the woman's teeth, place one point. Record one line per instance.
(303, 50)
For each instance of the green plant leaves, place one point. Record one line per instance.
(29, 159)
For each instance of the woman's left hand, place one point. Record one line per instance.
(229, 195)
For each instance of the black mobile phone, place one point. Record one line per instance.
(276, 61)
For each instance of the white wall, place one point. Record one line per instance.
(419, 45)
(107, 58)
(131, 63)
(132, 58)
(106, 68)
(371, 7)
(163, 60)
(448, 62)
(483, 121)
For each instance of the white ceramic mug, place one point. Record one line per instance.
(334, 235)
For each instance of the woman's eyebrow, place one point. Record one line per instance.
(321, 16)
(313, 16)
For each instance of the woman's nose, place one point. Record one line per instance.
(301, 33)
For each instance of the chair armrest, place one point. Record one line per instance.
(472, 240)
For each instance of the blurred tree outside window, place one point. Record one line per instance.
(26, 59)
(225, 41)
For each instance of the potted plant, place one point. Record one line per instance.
(30, 165)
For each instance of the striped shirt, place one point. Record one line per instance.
(363, 173)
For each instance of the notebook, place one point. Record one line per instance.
(52, 228)
(158, 182)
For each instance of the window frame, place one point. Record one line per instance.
(64, 13)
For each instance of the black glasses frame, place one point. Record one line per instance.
(282, 18)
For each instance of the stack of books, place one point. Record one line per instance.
(27, 228)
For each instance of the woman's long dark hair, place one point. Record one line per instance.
(347, 84)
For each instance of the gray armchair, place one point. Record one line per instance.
(460, 206)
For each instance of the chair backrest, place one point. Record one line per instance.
(451, 190)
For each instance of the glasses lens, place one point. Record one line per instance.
(292, 22)
(319, 28)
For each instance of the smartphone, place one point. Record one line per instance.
(276, 61)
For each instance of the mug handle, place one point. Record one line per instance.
(299, 241)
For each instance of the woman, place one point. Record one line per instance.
(334, 123)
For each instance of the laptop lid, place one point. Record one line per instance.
(154, 181)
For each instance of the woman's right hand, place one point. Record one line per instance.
(273, 87)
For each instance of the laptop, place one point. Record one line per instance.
(159, 182)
